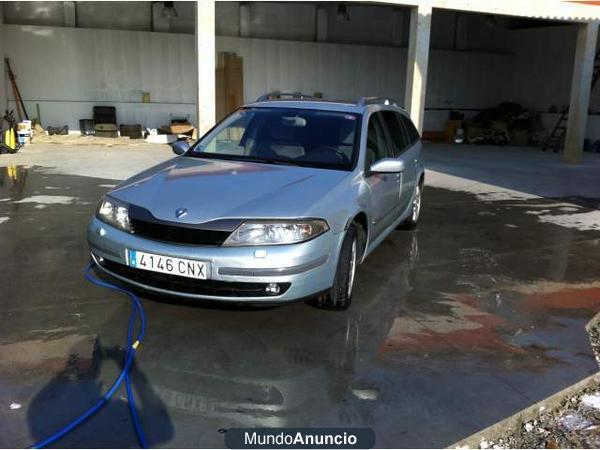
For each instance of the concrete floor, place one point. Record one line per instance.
(476, 315)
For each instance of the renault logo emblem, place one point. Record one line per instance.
(181, 212)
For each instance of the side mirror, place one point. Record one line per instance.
(388, 165)
(180, 147)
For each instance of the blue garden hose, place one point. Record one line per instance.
(136, 310)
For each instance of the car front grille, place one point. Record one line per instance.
(176, 283)
(177, 234)
(213, 233)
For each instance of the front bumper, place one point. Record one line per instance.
(236, 273)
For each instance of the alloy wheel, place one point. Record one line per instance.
(416, 206)
(352, 268)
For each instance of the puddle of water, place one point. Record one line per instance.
(48, 199)
(465, 326)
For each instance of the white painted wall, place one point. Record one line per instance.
(543, 65)
(593, 124)
(69, 70)
(227, 18)
(370, 24)
(367, 25)
(291, 21)
(94, 66)
(117, 15)
(35, 13)
(115, 67)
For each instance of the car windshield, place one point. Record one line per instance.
(302, 137)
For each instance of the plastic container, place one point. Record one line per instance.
(23, 137)
(86, 126)
(24, 126)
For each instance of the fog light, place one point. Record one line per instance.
(273, 288)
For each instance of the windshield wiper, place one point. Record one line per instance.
(245, 158)
(278, 162)
(285, 162)
(207, 155)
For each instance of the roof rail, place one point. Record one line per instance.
(363, 101)
(277, 95)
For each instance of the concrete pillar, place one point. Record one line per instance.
(70, 14)
(244, 20)
(205, 63)
(583, 69)
(416, 64)
(321, 24)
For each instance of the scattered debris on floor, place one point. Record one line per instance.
(591, 400)
(76, 139)
(594, 332)
(508, 123)
(575, 423)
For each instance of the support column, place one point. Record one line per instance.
(583, 69)
(205, 64)
(417, 61)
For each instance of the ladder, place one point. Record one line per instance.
(556, 140)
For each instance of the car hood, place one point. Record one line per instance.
(212, 189)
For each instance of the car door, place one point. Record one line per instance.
(384, 186)
(399, 144)
(410, 154)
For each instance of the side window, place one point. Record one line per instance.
(398, 136)
(376, 140)
(413, 134)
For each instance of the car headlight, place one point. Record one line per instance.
(276, 232)
(114, 212)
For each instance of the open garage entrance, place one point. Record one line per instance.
(514, 86)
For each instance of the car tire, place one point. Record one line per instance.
(340, 295)
(413, 219)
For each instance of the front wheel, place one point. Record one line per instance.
(340, 294)
(411, 222)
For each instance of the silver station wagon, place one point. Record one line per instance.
(279, 202)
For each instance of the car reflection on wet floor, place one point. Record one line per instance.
(452, 328)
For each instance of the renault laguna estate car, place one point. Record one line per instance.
(279, 202)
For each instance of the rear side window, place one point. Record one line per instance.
(376, 140)
(398, 135)
(413, 134)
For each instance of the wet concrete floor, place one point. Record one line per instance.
(476, 315)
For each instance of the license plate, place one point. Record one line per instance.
(166, 264)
